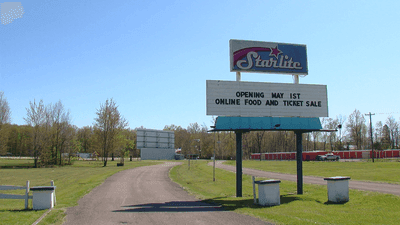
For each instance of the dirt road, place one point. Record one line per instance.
(146, 195)
(360, 185)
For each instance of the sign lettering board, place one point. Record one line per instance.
(257, 99)
(147, 138)
(268, 57)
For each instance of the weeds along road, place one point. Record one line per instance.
(146, 195)
(359, 185)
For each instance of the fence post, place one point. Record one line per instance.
(54, 197)
(27, 195)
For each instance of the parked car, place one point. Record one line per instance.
(329, 156)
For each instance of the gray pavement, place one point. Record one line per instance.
(146, 195)
(359, 185)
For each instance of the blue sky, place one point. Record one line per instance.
(154, 57)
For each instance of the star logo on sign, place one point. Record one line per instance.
(275, 52)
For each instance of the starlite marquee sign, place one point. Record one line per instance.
(268, 57)
(258, 99)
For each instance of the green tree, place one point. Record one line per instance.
(108, 125)
(125, 143)
(5, 118)
(85, 136)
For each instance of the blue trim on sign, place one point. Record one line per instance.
(267, 123)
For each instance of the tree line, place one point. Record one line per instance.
(353, 132)
(48, 135)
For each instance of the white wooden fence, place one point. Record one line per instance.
(26, 196)
(9, 196)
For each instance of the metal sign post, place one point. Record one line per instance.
(238, 163)
(299, 159)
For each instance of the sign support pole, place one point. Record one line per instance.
(238, 163)
(299, 157)
(214, 160)
(238, 76)
(238, 154)
(295, 79)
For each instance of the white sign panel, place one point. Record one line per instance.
(257, 99)
(147, 138)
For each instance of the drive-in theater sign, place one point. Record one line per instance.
(268, 57)
(250, 106)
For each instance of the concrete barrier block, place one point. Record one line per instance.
(268, 192)
(338, 189)
(43, 197)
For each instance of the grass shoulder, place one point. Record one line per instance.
(381, 171)
(72, 182)
(310, 208)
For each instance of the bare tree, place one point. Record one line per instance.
(36, 117)
(194, 128)
(393, 126)
(385, 141)
(355, 126)
(60, 123)
(259, 136)
(108, 125)
(315, 136)
(378, 131)
(5, 113)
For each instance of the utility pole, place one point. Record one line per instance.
(370, 129)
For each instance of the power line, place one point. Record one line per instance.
(389, 113)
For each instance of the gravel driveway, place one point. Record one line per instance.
(146, 195)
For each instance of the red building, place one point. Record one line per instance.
(311, 156)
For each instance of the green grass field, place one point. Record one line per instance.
(310, 208)
(388, 172)
(72, 182)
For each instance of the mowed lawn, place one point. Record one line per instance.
(379, 171)
(72, 183)
(310, 208)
